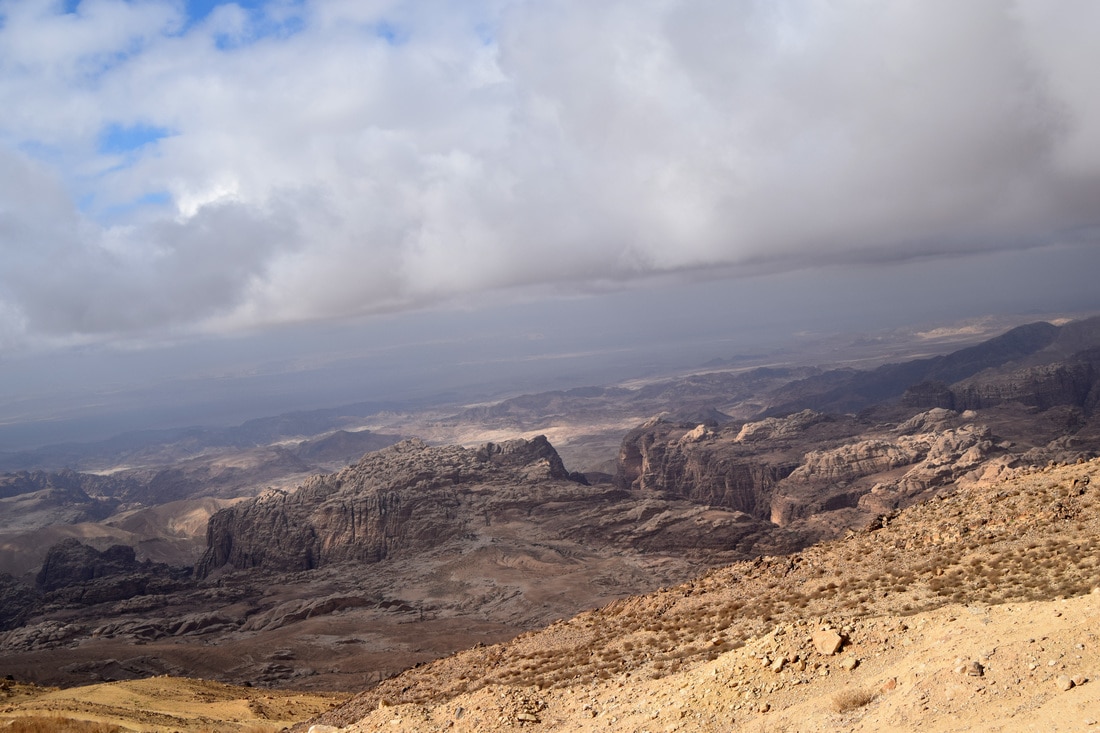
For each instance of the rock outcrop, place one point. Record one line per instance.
(76, 573)
(787, 469)
(738, 467)
(16, 602)
(406, 497)
(33, 499)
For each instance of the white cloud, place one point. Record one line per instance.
(335, 159)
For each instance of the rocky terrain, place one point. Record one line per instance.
(264, 571)
(161, 510)
(155, 704)
(429, 548)
(976, 610)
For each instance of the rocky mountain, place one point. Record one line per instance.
(411, 498)
(1074, 381)
(31, 499)
(437, 547)
(469, 543)
(973, 611)
(407, 497)
(848, 390)
(76, 575)
(159, 447)
(811, 468)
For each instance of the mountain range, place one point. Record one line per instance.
(332, 560)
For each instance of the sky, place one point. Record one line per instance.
(190, 190)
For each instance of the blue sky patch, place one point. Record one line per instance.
(287, 22)
(42, 152)
(116, 139)
(390, 33)
(198, 9)
(117, 211)
(259, 29)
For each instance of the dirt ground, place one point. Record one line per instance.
(979, 610)
(1013, 667)
(976, 611)
(166, 705)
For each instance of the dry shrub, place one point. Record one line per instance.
(851, 699)
(57, 724)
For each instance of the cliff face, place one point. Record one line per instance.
(38, 499)
(787, 469)
(1073, 381)
(75, 574)
(738, 467)
(701, 465)
(1042, 387)
(406, 497)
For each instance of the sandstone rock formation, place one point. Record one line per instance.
(32, 499)
(468, 544)
(444, 546)
(16, 602)
(76, 573)
(787, 469)
(407, 497)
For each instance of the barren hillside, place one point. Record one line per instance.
(975, 610)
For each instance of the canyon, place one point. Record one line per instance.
(334, 560)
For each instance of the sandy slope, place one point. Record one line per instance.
(167, 704)
(978, 610)
(915, 666)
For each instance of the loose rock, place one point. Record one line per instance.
(827, 642)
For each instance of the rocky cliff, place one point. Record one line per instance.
(74, 573)
(850, 390)
(467, 544)
(1074, 382)
(796, 468)
(406, 497)
(31, 499)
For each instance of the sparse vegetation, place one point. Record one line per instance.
(852, 699)
(926, 558)
(57, 724)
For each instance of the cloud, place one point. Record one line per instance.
(328, 160)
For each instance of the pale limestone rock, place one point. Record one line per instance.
(827, 642)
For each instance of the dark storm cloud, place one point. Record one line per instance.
(332, 160)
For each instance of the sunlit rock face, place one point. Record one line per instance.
(406, 497)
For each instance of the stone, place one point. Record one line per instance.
(777, 665)
(527, 717)
(827, 642)
(849, 663)
(400, 498)
(975, 669)
(1064, 683)
(323, 729)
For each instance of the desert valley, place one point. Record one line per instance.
(676, 555)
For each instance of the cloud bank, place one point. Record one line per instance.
(162, 172)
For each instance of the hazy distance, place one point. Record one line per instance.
(214, 211)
